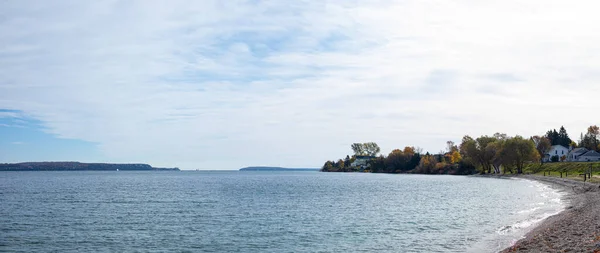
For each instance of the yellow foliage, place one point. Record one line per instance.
(409, 151)
(456, 157)
(396, 151)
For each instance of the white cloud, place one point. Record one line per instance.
(215, 84)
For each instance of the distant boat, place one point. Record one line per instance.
(117, 169)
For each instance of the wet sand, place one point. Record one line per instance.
(576, 229)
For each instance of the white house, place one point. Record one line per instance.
(556, 150)
(362, 161)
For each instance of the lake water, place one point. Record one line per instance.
(265, 212)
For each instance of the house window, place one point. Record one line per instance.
(563, 152)
(556, 152)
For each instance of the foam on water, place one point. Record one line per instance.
(525, 219)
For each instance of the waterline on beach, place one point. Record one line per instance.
(549, 202)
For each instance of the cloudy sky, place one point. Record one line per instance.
(224, 84)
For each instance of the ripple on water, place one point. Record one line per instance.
(265, 212)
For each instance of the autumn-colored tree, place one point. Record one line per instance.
(574, 144)
(395, 161)
(455, 157)
(427, 164)
(409, 151)
(401, 161)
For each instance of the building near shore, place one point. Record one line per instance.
(576, 153)
(590, 156)
(362, 161)
(556, 150)
(571, 154)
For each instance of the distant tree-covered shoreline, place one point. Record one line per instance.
(76, 166)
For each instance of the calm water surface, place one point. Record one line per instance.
(265, 212)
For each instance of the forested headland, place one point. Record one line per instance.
(76, 166)
(496, 153)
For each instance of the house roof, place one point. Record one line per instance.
(579, 150)
(365, 157)
(591, 153)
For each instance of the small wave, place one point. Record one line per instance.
(529, 210)
(525, 223)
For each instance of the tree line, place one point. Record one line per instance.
(497, 153)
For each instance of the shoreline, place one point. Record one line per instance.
(575, 229)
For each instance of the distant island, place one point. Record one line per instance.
(77, 166)
(277, 169)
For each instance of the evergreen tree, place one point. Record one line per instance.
(347, 162)
(563, 137)
(559, 138)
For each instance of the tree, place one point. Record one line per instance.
(573, 144)
(427, 164)
(372, 148)
(495, 148)
(456, 157)
(451, 147)
(590, 139)
(486, 155)
(552, 135)
(347, 161)
(340, 165)
(409, 150)
(542, 145)
(327, 167)
(395, 161)
(399, 161)
(369, 148)
(559, 138)
(501, 136)
(377, 164)
(468, 150)
(476, 150)
(358, 149)
(517, 151)
(563, 137)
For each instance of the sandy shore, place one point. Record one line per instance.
(577, 229)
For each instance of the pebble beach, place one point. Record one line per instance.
(576, 229)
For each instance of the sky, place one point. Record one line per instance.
(204, 84)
